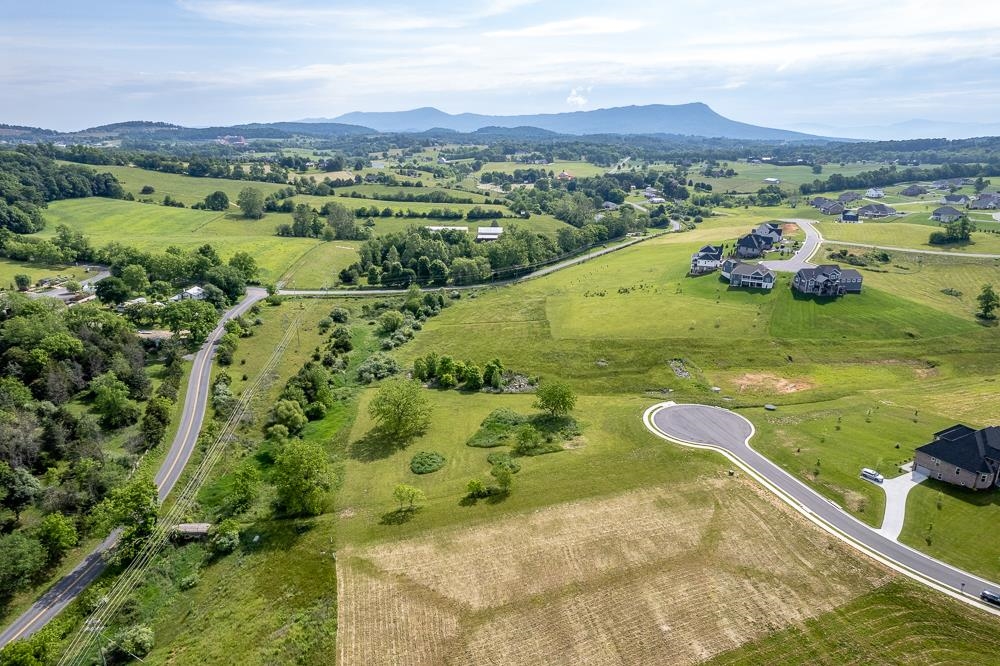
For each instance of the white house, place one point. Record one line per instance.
(875, 193)
(193, 293)
(488, 234)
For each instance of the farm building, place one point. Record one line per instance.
(772, 181)
(962, 456)
(440, 228)
(484, 234)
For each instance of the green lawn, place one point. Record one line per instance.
(750, 177)
(150, 227)
(184, 188)
(9, 268)
(905, 234)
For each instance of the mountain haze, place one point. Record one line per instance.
(695, 119)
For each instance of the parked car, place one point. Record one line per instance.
(990, 597)
(871, 475)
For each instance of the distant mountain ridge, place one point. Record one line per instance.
(694, 119)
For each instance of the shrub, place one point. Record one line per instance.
(503, 459)
(426, 462)
(226, 537)
(447, 381)
(340, 315)
(377, 366)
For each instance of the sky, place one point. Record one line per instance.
(69, 65)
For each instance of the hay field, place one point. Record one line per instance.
(641, 577)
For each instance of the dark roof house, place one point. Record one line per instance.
(946, 214)
(962, 456)
(752, 245)
(706, 260)
(827, 280)
(913, 191)
(876, 210)
(749, 276)
(849, 216)
(832, 208)
(848, 197)
(955, 199)
(985, 201)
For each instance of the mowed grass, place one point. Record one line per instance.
(574, 168)
(907, 235)
(898, 623)
(154, 228)
(319, 266)
(184, 188)
(750, 177)
(9, 268)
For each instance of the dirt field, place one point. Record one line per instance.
(771, 382)
(633, 579)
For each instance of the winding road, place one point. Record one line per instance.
(72, 584)
(718, 429)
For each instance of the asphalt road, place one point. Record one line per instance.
(69, 586)
(801, 258)
(728, 432)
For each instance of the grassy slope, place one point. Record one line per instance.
(150, 227)
(905, 234)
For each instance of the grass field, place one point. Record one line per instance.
(576, 169)
(9, 268)
(185, 188)
(904, 234)
(751, 177)
(153, 228)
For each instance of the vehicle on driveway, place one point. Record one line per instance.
(990, 597)
(871, 475)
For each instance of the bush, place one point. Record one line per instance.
(377, 366)
(226, 537)
(500, 458)
(340, 315)
(426, 462)
(136, 640)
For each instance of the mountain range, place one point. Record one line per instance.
(695, 119)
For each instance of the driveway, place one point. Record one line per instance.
(729, 433)
(896, 491)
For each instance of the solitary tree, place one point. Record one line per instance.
(22, 281)
(251, 202)
(301, 478)
(556, 398)
(217, 200)
(408, 496)
(988, 302)
(400, 409)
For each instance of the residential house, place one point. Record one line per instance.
(850, 216)
(193, 293)
(948, 183)
(955, 200)
(827, 280)
(656, 200)
(706, 260)
(913, 191)
(875, 193)
(816, 202)
(832, 208)
(962, 456)
(484, 234)
(985, 201)
(752, 246)
(848, 197)
(750, 276)
(565, 175)
(770, 230)
(876, 210)
(609, 205)
(946, 214)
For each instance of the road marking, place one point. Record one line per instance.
(59, 596)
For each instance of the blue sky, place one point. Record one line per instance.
(70, 65)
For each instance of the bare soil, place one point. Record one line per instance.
(768, 381)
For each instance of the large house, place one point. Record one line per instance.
(913, 191)
(770, 230)
(962, 456)
(946, 214)
(751, 276)
(848, 197)
(706, 260)
(832, 208)
(816, 202)
(875, 193)
(752, 245)
(955, 200)
(875, 210)
(827, 280)
(985, 201)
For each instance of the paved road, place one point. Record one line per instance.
(725, 431)
(801, 258)
(530, 276)
(63, 294)
(67, 588)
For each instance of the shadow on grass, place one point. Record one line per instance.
(819, 300)
(988, 323)
(973, 497)
(398, 516)
(376, 445)
(274, 534)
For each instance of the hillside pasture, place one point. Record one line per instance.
(906, 235)
(187, 189)
(154, 228)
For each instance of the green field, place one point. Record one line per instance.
(750, 177)
(150, 227)
(905, 234)
(10, 268)
(184, 188)
(575, 169)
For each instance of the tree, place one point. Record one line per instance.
(439, 273)
(22, 281)
(246, 265)
(226, 537)
(245, 488)
(341, 220)
(251, 202)
(817, 169)
(155, 420)
(408, 497)
(21, 559)
(112, 402)
(196, 317)
(57, 534)
(112, 290)
(301, 478)
(303, 217)
(129, 643)
(556, 398)
(988, 302)
(390, 321)
(217, 200)
(289, 413)
(400, 409)
(135, 278)
(133, 507)
(18, 487)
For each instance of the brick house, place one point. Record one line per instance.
(962, 456)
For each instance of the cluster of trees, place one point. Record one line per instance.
(446, 372)
(51, 456)
(890, 175)
(959, 231)
(28, 180)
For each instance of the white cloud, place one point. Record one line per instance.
(584, 25)
(576, 97)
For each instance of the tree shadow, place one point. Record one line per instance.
(375, 445)
(398, 516)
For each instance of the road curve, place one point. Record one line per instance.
(719, 429)
(72, 584)
(800, 259)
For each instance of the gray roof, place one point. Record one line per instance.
(879, 208)
(966, 448)
(752, 269)
(947, 210)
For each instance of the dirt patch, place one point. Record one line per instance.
(767, 381)
(346, 513)
(924, 373)
(635, 578)
(789, 228)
